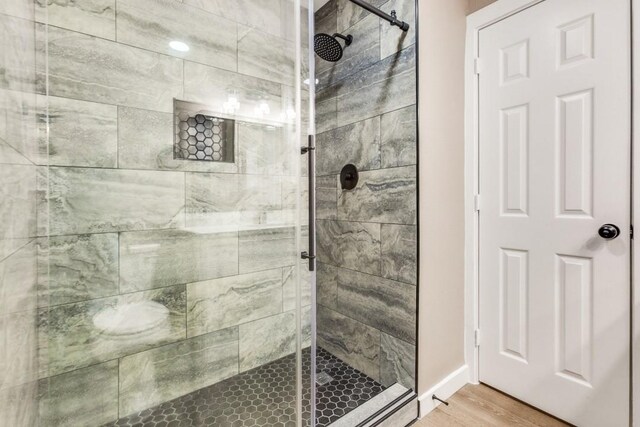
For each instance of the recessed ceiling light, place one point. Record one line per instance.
(179, 46)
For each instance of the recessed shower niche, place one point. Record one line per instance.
(202, 136)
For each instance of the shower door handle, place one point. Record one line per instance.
(310, 151)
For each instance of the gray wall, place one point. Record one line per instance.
(367, 242)
(199, 255)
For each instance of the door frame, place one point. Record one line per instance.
(483, 18)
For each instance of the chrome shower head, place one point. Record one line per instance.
(328, 47)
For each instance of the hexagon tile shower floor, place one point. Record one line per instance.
(264, 396)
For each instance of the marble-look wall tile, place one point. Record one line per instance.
(292, 282)
(94, 17)
(76, 335)
(83, 201)
(326, 110)
(264, 150)
(265, 15)
(392, 39)
(350, 13)
(20, 124)
(212, 87)
(386, 86)
(19, 405)
(326, 21)
(397, 362)
(165, 373)
(399, 139)
(264, 249)
(327, 197)
(153, 24)
(80, 133)
(228, 200)
(352, 341)
(217, 304)
(400, 252)
(265, 56)
(18, 61)
(18, 280)
(327, 285)
(363, 52)
(19, 349)
(154, 259)
(86, 397)
(266, 340)
(357, 143)
(352, 245)
(11, 156)
(77, 268)
(18, 8)
(384, 304)
(385, 195)
(145, 141)
(18, 207)
(93, 69)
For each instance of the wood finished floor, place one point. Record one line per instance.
(479, 405)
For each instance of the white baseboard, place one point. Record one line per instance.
(444, 389)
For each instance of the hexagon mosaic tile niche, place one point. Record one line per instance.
(203, 137)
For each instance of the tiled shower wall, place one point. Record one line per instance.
(144, 277)
(367, 243)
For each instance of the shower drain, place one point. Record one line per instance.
(322, 378)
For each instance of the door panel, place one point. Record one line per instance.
(554, 167)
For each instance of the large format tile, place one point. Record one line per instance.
(327, 197)
(292, 282)
(18, 280)
(93, 69)
(397, 362)
(18, 206)
(102, 200)
(400, 252)
(350, 13)
(153, 24)
(363, 52)
(164, 373)
(265, 15)
(153, 259)
(326, 110)
(263, 249)
(18, 8)
(357, 143)
(392, 39)
(352, 245)
(145, 141)
(94, 17)
(258, 98)
(385, 195)
(19, 405)
(80, 133)
(230, 200)
(327, 285)
(19, 349)
(18, 62)
(20, 126)
(77, 268)
(217, 304)
(86, 397)
(381, 303)
(76, 335)
(387, 85)
(268, 339)
(399, 141)
(352, 341)
(265, 56)
(264, 150)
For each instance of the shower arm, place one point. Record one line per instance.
(393, 19)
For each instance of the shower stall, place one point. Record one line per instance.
(176, 245)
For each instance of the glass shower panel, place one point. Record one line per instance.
(150, 258)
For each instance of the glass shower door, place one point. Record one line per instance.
(151, 268)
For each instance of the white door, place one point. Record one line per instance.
(554, 167)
